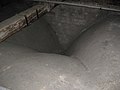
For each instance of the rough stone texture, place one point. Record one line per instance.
(24, 69)
(68, 22)
(99, 50)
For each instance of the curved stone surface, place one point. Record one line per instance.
(24, 69)
(96, 67)
(99, 50)
(39, 36)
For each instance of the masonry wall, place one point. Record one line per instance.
(69, 22)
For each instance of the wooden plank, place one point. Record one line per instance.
(21, 20)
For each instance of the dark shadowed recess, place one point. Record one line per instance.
(9, 8)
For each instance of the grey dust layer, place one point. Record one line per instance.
(93, 63)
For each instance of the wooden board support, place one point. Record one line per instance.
(21, 20)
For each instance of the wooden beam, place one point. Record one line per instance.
(21, 20)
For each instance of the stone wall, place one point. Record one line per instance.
(69, 22)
